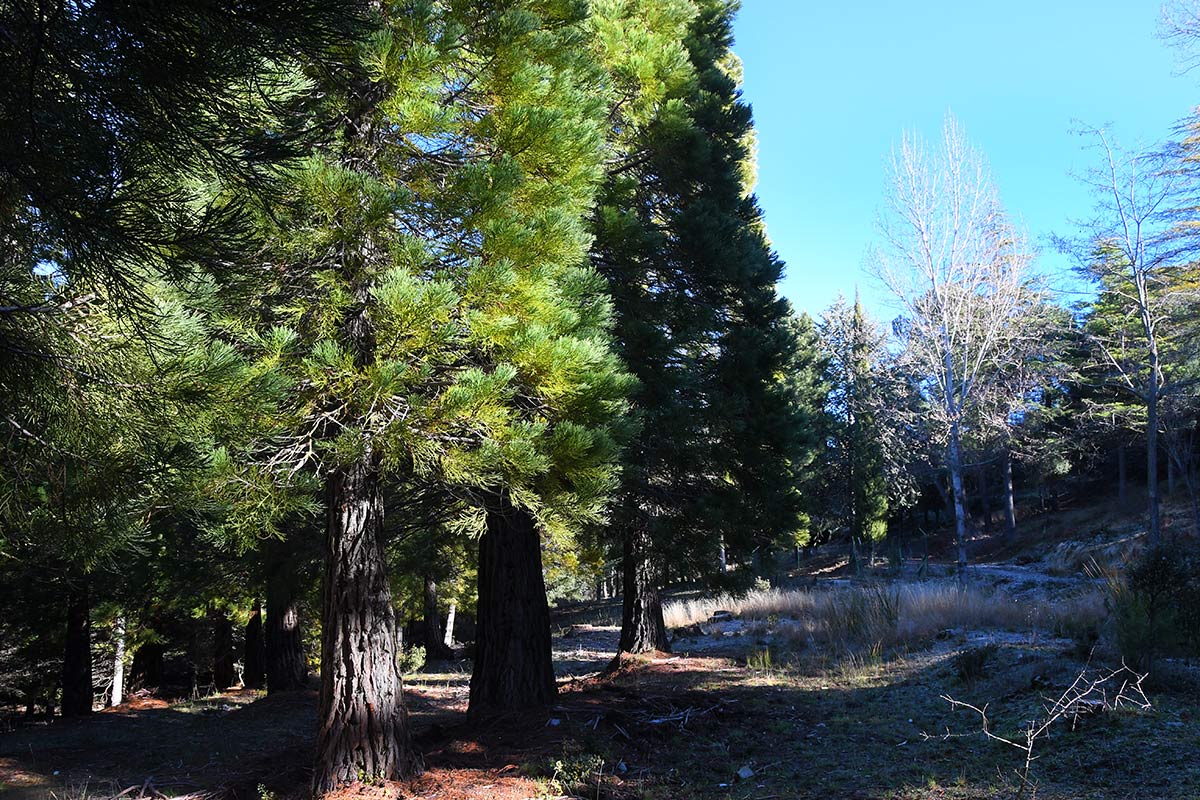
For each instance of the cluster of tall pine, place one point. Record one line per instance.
(375, 297)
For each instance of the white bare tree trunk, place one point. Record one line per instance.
(449, 638)
(118, 680)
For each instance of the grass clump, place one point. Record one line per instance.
(889, 616)
(972, 664)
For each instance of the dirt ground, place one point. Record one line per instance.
(733, 715)
(667, 726)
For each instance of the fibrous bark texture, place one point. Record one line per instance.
(642, 628)
(513, 667)
(363, 731)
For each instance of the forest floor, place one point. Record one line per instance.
(735, 712)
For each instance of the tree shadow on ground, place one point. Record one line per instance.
(670, 726)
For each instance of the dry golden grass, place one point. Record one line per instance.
(891, 615)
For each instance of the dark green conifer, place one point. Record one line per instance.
(680, 240)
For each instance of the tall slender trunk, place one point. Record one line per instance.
(1170, 475)
(1010, 506)
(1122, 477)
(285, 667)
(985, 498)
(118, 682)
(513, 667)
(1152, 391)
(223, 660)
(642, 628)
(953, 407)
(193, 655)
(434, 648)
(254, 657)
(1155, 527)
(448, 641)
(363, 731)
(954, 462)
(77, 654)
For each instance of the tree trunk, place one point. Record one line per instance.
(434, 648)
(118, 680)
(1170, 475)
(985, 498)
(1155, 528)
(1010, 506)
(513, 667)
(255, 656)
(77, 655)
(363, 732)
(722, 562)
(223, 659)
(285, 667)
(954, 462)
(448, 641)
(146, 671)
(1122, 480)
(642, 628)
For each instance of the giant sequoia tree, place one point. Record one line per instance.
(427, 325)
(680, 241)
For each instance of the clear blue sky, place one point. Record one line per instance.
(834, 84)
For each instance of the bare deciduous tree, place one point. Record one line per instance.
(960, 273)
(1137, 249)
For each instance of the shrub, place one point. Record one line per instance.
(971, 664)
(1156, 609)
(412, 659)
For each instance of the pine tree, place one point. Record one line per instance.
(806, 384)
(125, 131)
(854, 346)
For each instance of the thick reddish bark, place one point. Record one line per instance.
(642, 628)
(77, 654)
(513, 667)
(254, 675)
(363, 731)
